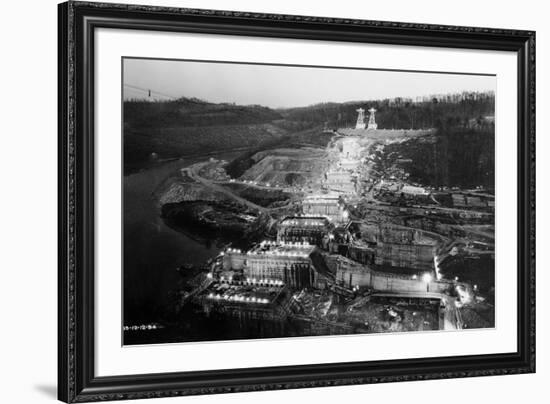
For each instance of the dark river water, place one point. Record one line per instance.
(153, 250)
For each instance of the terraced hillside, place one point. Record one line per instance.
(287, 167)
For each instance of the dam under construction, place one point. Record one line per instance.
(331, 240)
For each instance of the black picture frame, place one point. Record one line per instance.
(77, 23)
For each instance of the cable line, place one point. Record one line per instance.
(148, 91)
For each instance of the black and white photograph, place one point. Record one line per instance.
(254, 202)
(274, 201)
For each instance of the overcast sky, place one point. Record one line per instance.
(285, 86)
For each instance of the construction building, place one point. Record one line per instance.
(393, 246)
(271, 261)
(246, 300)
(340, 180)
(362, 253)
(327, 205)
(405, 255)
(303, 229)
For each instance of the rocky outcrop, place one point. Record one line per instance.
(188, 192)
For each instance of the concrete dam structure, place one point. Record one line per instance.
(350, 274)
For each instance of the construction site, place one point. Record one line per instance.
(350, 244)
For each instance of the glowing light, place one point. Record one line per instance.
(436, 266)
(427, 278)
(414, 276)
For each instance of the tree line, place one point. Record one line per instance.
(456, 110)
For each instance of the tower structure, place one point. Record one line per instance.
(360, 119)
(372, 123)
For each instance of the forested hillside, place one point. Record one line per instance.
(399, 113)
(191, 112)
(185, 127)
(451, 157)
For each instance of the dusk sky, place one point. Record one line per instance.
(285, 86)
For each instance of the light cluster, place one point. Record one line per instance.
(273, 282)
(279, 253)
(295, 222)
(238, 298)
(299, 244)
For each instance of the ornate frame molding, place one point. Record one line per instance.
(76, 379)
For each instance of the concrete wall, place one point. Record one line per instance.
(350, 274)
(418, 256)
(234, 261)
(383, 133)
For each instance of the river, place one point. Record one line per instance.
(152, 249)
